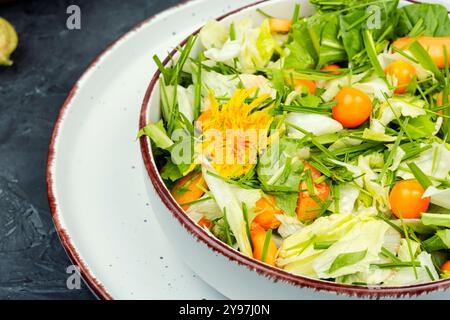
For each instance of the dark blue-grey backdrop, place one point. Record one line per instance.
(48, 61)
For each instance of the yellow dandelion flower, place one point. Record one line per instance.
(233, 133)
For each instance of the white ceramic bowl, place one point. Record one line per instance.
(230, 272)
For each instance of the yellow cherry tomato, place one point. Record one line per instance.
(402, 73)
(406, 199)
(353, 107)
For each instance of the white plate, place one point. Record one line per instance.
(96, 189)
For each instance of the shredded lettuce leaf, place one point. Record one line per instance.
(316, 124)
(158, 134)
(433, 162)
(225, 85)
(226, 200)
(280, 167)
(213, 34)
(436, 219)
(289, 225)
(440, 197)
(347, 199)
(366, 236)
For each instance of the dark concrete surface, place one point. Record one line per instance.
(48, 61)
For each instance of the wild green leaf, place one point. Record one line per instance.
(428, 19)
(421, 177)
(287, 202)
(436, 219)
(424, 58)
(420, 127)
(440, 241)
(347, 259)
(157, 133)
(170, 171)
(279, 168)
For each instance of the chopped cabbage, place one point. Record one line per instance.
(406, 276)
(289, 225)
(213, 34)
(440, 197)
(398, 156)
(257, 45)
(185, 99)
(329, 228)
(348, 193)
(376, 276)
(226, 200)
(226, 85)
(397, 106)
(378, 191)
(355, 243)
(226, 54)
(375, 87)
(366, 236)
(344, 143)
(280, 167)
(433, 162)
(205, 208)
(315, 123)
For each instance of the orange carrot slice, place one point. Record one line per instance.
(265, 213)
(446, 267)
(204, 223)
(439, 102)
(280, 25)
(258, 236)
(434, 46)
(300, 83)
(187, 189)
(331, 67)
(307, 206)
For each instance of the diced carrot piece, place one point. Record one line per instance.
(258, 236)
(204, 223)
(314, 172)
(300, 83)
(439, 102)
(434, 46)
(187, 189)
(265, 213)
(307, 207)
(280, 25)
(446, 267)
(331, 67)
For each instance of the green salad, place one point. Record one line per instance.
(316, 144)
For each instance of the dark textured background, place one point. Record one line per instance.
(48, 61)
